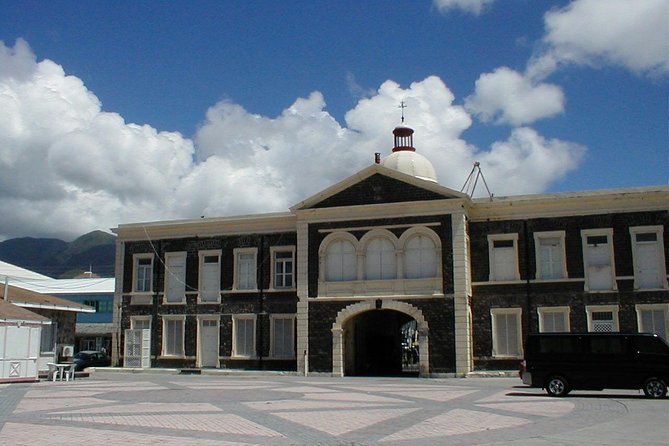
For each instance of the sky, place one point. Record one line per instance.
(124, 112)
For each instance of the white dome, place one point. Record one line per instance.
(411, 163)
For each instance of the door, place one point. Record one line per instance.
(648, 256)
(208, 343)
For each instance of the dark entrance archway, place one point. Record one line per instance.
(381, 343)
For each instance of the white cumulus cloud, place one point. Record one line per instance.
(68, 167)
(633, 34)
(508, 97)
(527, 161)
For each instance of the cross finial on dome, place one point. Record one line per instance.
(402, 105)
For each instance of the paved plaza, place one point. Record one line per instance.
(169, 409)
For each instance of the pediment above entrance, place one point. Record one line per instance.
(378, 185)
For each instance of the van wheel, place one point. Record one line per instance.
(557, 386)
(655, 388)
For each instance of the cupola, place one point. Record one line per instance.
(405, 159)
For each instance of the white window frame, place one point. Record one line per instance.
(653, 307)
(169, 276)
(518, 312)
(492, 238)
(273, 251)
(135, 319)
(135, 273)
(608, 232)
(391, 240)
(658, 230)
(201, 281)
(273, 318)
(590, 309)
(235, 320)
(538, 236)
(408, 235)
(422, 264)
(237, 252)
(167, 319)
(324, 251)
(542, 311)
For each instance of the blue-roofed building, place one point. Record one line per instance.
(93, 329)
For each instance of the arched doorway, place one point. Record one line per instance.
(380, 338)
(380, 343)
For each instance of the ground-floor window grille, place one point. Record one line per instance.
(602, 321)
(137, 351)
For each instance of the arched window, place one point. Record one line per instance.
(420, 258)
(341, 263)
(380, 262)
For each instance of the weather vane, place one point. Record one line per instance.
(402, 105)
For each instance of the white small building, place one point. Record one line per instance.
(20, 334)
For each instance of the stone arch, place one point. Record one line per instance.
(377, 233)
(355, 309)
(420, 230)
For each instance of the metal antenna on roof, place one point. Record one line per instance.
(402, 105)
(470, 183)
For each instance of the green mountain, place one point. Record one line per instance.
(63, 260)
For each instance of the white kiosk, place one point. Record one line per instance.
(20, 334)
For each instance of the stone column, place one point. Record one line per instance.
(337, 352)
(462, 293)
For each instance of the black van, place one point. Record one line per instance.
(561, 362)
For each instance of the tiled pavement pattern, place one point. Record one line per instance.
(148, 409)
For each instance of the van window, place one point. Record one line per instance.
(651, 346)
(558, 345)
(607, 345)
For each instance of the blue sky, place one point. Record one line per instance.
(133, 111)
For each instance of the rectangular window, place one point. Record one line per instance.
(244, 328)
(48, 338)
(245, 269)
(283, 336)
(143, 273)
(283, 267)
(94, 304)
(210, 276)
(598, 260)
(105, 306)
(173, 337)
(653, 318)
(550, 255)
(648, 257)
(140, 322)
(602, 318)
(553, 319)
(503, 255)
(175, 277)
(506, 332)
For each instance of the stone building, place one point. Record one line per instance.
(389, 273)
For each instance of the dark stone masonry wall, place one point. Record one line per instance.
(262, 304)
(378, 189)
(529, 296)
(478, 232)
